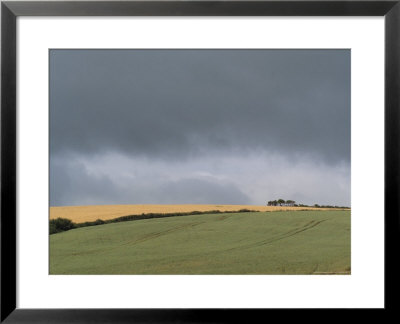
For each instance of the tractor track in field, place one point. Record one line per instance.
(288, 234)
(144, 238)
(161, 233)
(155, 235)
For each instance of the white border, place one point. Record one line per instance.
(364, 288)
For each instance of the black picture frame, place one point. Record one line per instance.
(10, 10)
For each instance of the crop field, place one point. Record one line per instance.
(80, 214)
(282, 242)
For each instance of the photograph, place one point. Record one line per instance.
(199, 161)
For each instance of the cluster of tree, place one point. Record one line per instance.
(281, 202)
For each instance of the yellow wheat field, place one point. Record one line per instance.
(80, 214)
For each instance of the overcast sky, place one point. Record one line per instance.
(199, 126)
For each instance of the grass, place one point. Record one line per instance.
(301, 242)
(81, 214)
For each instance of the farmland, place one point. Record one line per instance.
(80, 214)
(280, 242)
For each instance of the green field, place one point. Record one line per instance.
(299, 242)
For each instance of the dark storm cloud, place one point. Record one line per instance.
(178, 103)
(199, 126)
(71, 184)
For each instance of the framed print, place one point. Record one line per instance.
(181, 160)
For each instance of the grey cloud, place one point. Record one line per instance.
(177, 103)
(73, 183)
(212, 179)
(201, 192)
(199, 126)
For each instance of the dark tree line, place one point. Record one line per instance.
(282, 202)
(63, 224)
